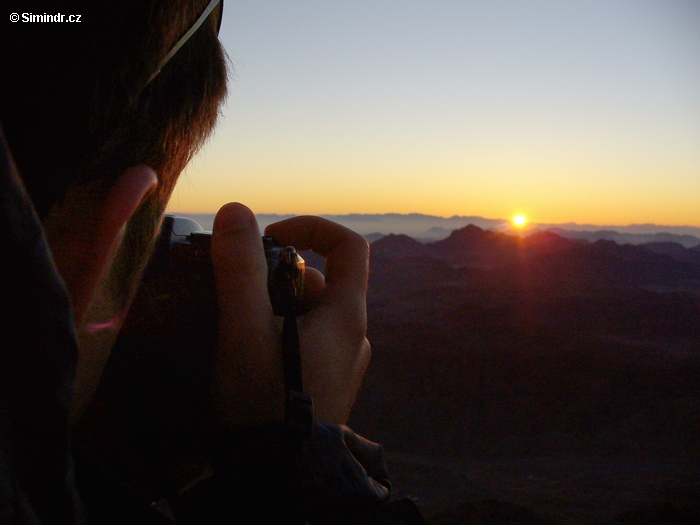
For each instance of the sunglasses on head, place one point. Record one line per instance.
(215, 9)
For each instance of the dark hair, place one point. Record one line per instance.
(75, 102)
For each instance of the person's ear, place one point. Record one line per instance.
(84, 229)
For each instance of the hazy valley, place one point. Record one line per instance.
(556, 374)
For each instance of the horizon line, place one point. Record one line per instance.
(573, 223)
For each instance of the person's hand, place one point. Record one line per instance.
(248, 380)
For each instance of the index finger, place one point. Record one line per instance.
(346, 253)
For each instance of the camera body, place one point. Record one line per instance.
(186, 248)
(157, 379)
(156, 383)
(176, 308)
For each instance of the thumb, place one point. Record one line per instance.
(239, 261)
(248, 377)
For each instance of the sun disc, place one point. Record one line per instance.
(519, 220)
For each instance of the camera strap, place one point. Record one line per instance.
(299, 412)
(285, 283)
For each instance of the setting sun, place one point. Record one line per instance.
(519, 221)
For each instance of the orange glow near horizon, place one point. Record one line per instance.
(491, 190)
(489, 129)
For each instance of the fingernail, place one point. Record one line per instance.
(234, 217)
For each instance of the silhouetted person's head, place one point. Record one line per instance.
(76, 102)
(99, 144)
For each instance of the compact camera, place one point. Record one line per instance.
(176, 305)
(156, 382)
(186, 247)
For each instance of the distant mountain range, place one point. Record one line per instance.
(488, 344)
(549, 258)
(686, 240)
(427, 228)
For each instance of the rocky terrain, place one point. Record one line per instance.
(537, 379)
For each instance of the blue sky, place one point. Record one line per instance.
(561, 111)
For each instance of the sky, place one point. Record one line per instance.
(561, 111)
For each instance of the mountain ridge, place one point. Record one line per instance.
(472, 247)
(427, 228)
